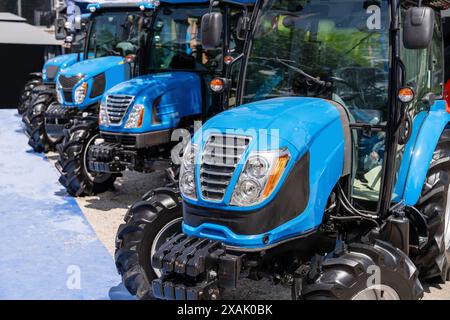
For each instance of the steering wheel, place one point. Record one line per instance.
(349, 95)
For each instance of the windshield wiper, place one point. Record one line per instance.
(303, 73)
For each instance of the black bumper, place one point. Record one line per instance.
(108, 158)
(58, 118)
(119, 151)
(194, 269)
(138, 140)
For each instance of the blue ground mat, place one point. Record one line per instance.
(47, 248)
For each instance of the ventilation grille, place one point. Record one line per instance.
(98, 86)
(220, 157)
(117, 106)
(69, 82)
(51, 72)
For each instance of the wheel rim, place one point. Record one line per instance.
(93, 177)
(447, 220)
(166, 232)
(377, 292)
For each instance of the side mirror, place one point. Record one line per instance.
(242, 27)
(60, 29)
(418, 28)
(211, 30)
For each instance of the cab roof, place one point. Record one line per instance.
(435, 4)
(150, 4)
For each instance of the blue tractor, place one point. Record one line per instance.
(117, 40)
(42, 85)
(111, 44)
(276, 186)
(138, 117)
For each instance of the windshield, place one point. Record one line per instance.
(330, 49)
(116, 34)
(78, 43)
(336, 50)
(176, 41)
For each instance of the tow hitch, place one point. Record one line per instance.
(194, 269)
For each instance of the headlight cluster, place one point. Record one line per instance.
(59, 95)
(187, 172)
(257, 181)
(260, 177)
(80, 93)
(136, 117)
(103, 118)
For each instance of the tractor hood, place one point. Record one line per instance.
(63, 61)
(153, 85)
(314, 133)
(297, 121)
(98, 74)
(53, 66)
(160, 95)
(92, 67)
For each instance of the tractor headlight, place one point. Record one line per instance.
(103, 118)
(59, 96)
(136, 117)
(187, 172)
(80, 93)
(260, 176)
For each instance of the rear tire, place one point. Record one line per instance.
(434, 258)
(363, 272)
(149, 223)
(75, 176)
(25, 95)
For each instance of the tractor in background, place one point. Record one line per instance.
(332, 176)
(138, 117)
(112, 41)
(73, 34)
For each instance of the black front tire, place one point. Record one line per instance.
(433, 260)
(26, 96)
(72, 165)
(135, 239)
(349, 274)
(39, 139)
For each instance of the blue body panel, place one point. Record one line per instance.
(62, 61)
(115, 69)
(300, 125)
(174, 105)
(427, 129)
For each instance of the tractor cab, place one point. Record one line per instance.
(332, 162)
(138, 118)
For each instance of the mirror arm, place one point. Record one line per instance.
(238, 58)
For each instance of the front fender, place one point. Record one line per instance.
(427, 129)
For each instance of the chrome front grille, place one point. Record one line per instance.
(116, 107)
(220, 157)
